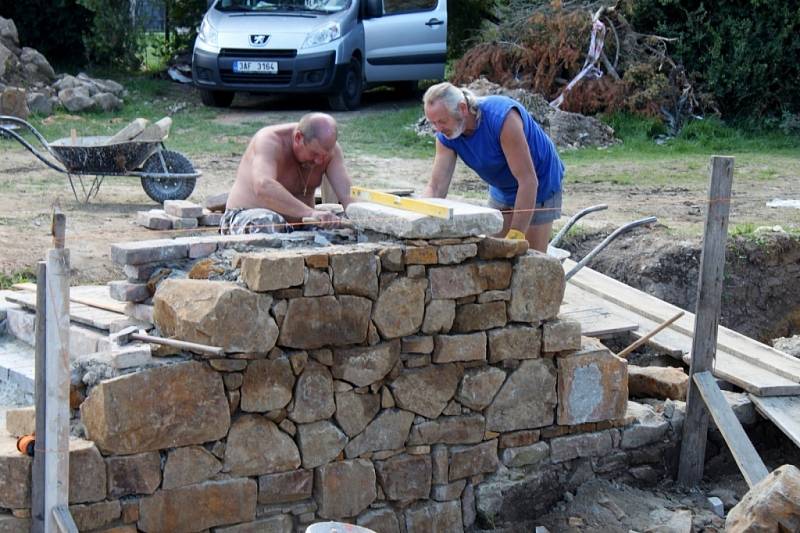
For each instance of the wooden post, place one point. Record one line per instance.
(328, 194)
(40, 390)
(704, 343)
(56, 457)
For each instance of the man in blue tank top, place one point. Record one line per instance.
(497, 138)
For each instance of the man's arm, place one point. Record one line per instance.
(268, 191)
(338, 177)
(444, 164)
(518, 155)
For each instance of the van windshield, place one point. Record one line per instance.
(315, 6)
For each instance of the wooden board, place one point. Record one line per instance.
(91, 295)
(784, 412)
(657, 310)
(597, 322)
(749, 377)
(79, 313)
(745, 455)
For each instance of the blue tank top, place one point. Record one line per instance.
(482, 152)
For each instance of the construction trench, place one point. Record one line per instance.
(407, 376)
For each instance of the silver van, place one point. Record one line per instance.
(331, 47)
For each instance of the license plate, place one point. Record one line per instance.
(261, 67)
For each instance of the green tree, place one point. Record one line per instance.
(112, 39)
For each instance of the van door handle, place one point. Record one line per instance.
(434, 22)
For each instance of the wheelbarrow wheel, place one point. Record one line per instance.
(161, 189)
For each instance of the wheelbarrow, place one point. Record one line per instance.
(562, 254)
(164, 174)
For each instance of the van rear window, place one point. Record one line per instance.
(287, 6)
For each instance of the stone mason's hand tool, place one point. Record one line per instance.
(131, 333)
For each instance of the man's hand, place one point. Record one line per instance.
(515, 234)
(323, 218)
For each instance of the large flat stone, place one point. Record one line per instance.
(267, 385)
(133, 474)
(467, 220)
(320, 443)
(657, 382)
(256, 446)
(140, 252)
(312, 323)
(479, 387)
(157, 408)
(466, 461)
(355, 411)
(537, 288)
(215, 313)
(405, 477)
(365, 365)
(479, 317)
(449, 282)
(285, 487)
(526, 400)
(514, 342)
(272, 270)
(400, 308)
(426, 390)
(439, 316)
(355, 272)
(189, 465)
(344, 489)
(466, 429)
(773, 504)
(388, 431)
(313, 395)
(199, 507)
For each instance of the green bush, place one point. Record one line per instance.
(744, 50)
(112, 39)
(183, 19)
(464, 18)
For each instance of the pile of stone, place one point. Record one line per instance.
(178, 214)
(28, 84)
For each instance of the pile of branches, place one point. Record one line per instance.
(541, 46)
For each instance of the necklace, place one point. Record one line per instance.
(305, 177)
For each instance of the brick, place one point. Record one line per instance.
(154, 219)
(183, 209)
(125, 291)
(140, 252)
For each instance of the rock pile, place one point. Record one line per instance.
(28, 84)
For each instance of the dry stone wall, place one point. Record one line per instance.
(414, 387)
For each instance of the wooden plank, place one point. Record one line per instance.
(783, 412)
(79, 313)
(704, 340)
(91, 295)
(657, 310)
(745, 455)
(39, 391)
(415, 205)
(597, 322)
(64, 520)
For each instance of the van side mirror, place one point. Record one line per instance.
(373, 9)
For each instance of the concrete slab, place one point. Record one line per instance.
(468, 220)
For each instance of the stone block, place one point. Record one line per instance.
(418, 344)
(537, 288)
(742, 407)
(479, 386)
(130, 355)
(495, 248)
(363, 366)
(494, 275)
(141, 272)
(344, 489)
(87, 472)
(479, 317)
(449, 491)
(189, 465)
(591, 387)
(657, 382)
(267, 385)
(21, 421)
(133, 474)
(468, 509)
(391, 259)
(561, 335)
(272, 270)
(355, 411)
(312, 323)
(434, 517)
(466, 347)
(273, 524)
(421, 255)
(466, 220)
(514, 342)
(400, 308)
(183, 222)
(451, 282)
(285, 487)
(456, 253)
(388, 431)
(256, 446)
(201, 246)
(526, 400)
(517, 439)
(229, 365)
(426, 391)
(355, 272)
(93, 516)
(141, 252)
(405, 477)
(439, 316)
(15, 473)
(317, 283)
(246, 242)
(320, 443)
(465, 429)
(12, 524)
(382, 520)
(569, 447)
(140, 312)
(648, 426)
(525, 455)
(216, 202)
(313, 395)
(183, 208)
(123, 420)
(154, 219)
(125, 291)
(440, 464)
(467, 461)
(198, 507)
(227, 316)
(210, 218)
(773, 504)
(494, 296)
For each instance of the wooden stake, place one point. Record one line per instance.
(704, 343)
(624, 353)
(40, 389)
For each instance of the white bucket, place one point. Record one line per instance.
(336, 527)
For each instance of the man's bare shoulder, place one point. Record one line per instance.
(272, 138)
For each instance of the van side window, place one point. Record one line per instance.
(393, 7)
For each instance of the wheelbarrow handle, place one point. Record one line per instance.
(16, 120)
(577, 216)
(14, 135)
(597, 249)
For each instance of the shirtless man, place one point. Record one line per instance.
(279, 172)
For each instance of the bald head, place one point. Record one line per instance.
(318, 127)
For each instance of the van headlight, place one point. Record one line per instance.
(208, 34)
(322, 35)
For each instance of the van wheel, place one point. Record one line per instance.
(216, 98)
(349, 96)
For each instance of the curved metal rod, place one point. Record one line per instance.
(577, 216)
(31, 149)
(597, 249)
(25, 123)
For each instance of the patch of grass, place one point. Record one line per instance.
(386, 134)
(746, 229)
(23, 276)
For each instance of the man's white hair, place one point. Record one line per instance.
(451, 96)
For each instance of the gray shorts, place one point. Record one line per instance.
(545, 212)
(239, 221)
